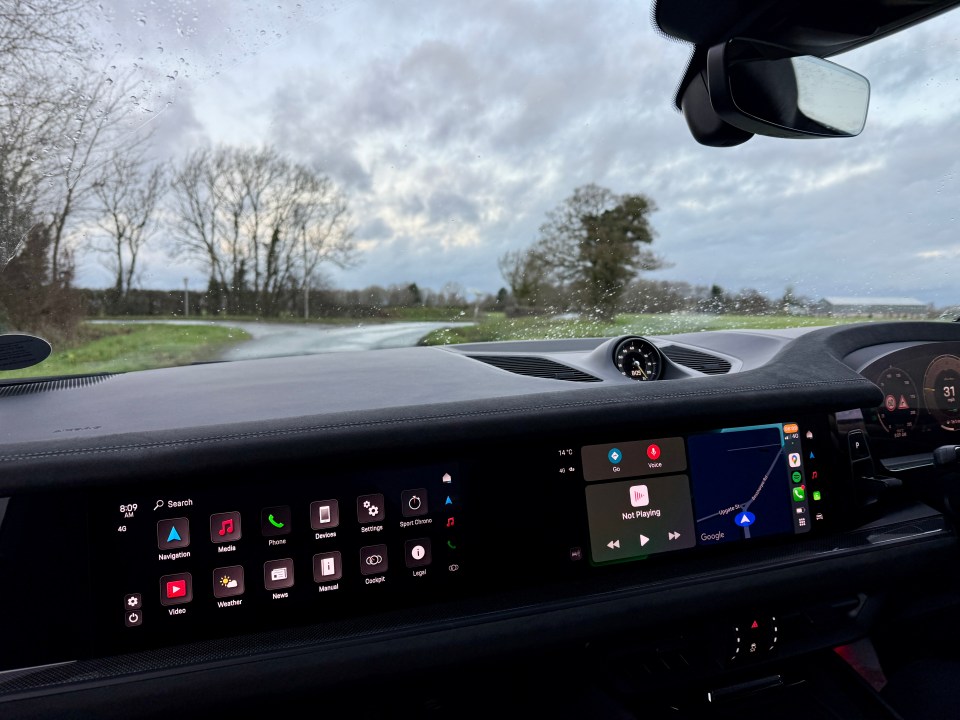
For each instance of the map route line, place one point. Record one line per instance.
(745, 505)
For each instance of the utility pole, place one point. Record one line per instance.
(186, 297)
(306, 277)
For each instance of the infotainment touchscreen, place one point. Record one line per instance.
(183, 562)
(646, 497)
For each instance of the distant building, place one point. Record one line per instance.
(887, 307)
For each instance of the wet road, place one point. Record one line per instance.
(273, 339)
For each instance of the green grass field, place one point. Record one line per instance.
(121, 348)
(497, 327)
(388, 315)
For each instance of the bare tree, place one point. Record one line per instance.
(92, 133)
(127, 195)
(261, 224)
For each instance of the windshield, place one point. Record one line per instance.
(191, 182)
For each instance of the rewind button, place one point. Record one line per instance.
(614, 544)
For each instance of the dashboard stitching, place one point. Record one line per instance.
(448, 416)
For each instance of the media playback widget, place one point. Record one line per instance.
(711, 488)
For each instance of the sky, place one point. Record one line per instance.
(454, 128)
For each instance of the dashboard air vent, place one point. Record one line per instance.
(41, 386)
(696, 360)
(535, 367)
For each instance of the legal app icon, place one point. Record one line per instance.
(794, 459)
(228, 581)
(176, 589)
(417, 553)
(173, 533)
(275, 521)
(225, 527)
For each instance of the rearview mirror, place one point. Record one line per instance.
(760, 88)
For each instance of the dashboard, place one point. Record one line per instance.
(312, 520)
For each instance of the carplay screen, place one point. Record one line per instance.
(659, 495)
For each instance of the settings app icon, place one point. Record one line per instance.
(370, 508)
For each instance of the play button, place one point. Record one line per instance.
(644, 540)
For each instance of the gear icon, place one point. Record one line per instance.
(132, 601)
(372, 509)
(366, 504)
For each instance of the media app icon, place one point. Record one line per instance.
(225, 527)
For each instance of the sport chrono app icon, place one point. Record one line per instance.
(413, 503)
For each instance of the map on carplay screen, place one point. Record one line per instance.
(740, 484)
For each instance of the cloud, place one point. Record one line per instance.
(454, 128)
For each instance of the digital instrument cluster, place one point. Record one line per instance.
(920, 386)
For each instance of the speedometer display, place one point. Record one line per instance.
(941, 382)
(898, 413)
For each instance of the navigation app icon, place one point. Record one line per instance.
(794, 459)
(173, 533)
(614, 456)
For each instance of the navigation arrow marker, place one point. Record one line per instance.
(644, 540)
(174, 536)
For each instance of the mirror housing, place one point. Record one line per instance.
(766, 90)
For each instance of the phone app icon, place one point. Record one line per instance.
(799, 494)
(324, 514)
(225, 527)
(173, 533)
(275, 520)
(794, 459)
(176, 589)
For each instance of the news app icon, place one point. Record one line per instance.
(278, 574)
